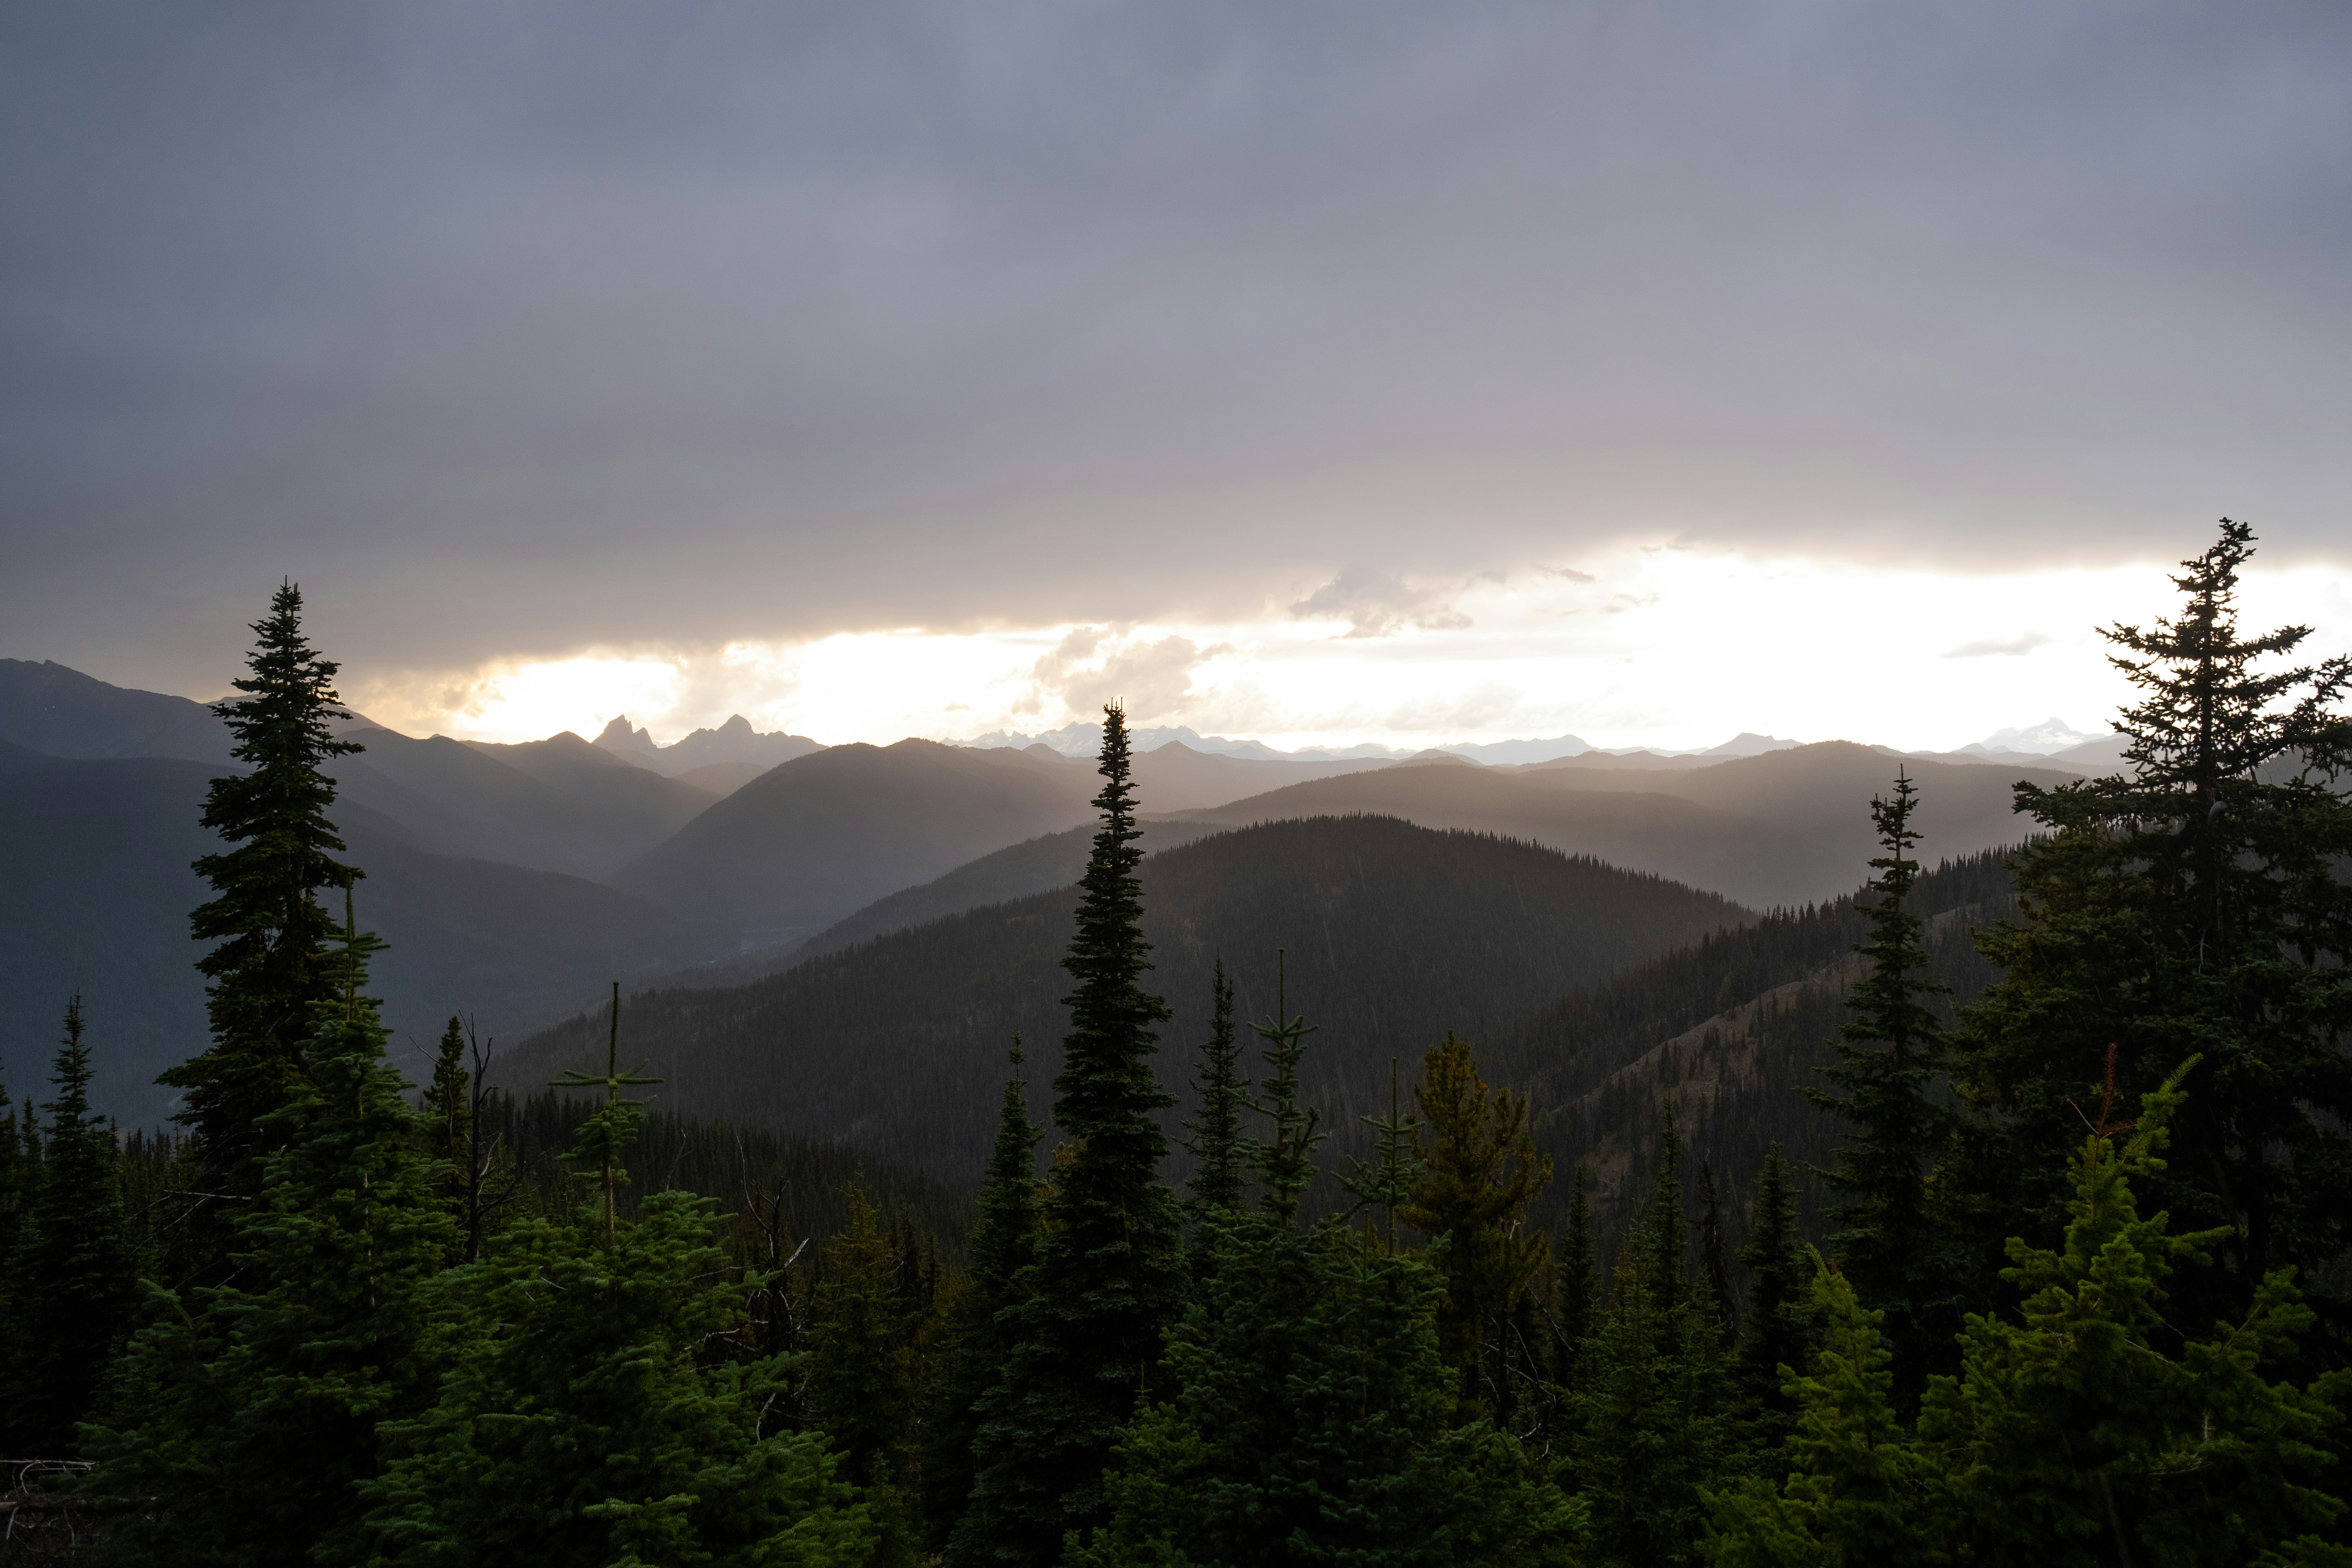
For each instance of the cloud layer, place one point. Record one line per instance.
(514, 330)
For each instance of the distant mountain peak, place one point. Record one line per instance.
(1749, 743)
(2053, 734)
(733, 742)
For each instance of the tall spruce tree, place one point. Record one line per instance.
(860, 1387)
(1575, 1286)
(1778, 1328)
(1221, 1163)
(73, 1292)
(271, 967)
(19, 1173)
(1286, 1159)
(1109, 1272)
(980, 1321)
(1653, 1418)
(1885, 1081)
(2197, 904)
(1481, 1172)
(254, 1422)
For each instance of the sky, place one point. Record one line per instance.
(1325, 373)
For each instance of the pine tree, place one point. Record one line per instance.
(2071, 1435)
(1109, 1272)
(1778, 1328)
(1576, 1306)
(255, 1422)
(979, 1339)
(1286, 1160)
(1312, 1420)
(2197, 906)
(19, 1173)
(1653, 1417)
(1889, 1059)
(1220, 1166)
(860, 1387)
(1388, 1182)
(1482, 1171)
(449, 1109)
(270, 968)
(580, 1428)
(73, 1293)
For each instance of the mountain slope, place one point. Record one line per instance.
(825, 835)
(62, 712)
(1394, 933)
(1823, 792)
(567, 762)
(94, 890)
(1746, 860)
(453, 798)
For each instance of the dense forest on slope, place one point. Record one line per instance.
(1395, 933)
(1733, 1029)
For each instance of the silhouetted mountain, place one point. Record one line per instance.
(94, 890)
(452, 798)
(734, 742)
(825, 835)
(719, 780)
(1394, 935)
(1823, 793)
(62, 712)
(567, 762)
(1750, 861)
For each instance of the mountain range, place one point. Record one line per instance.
(513, 881)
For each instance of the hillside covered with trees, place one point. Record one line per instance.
(2068, 1287)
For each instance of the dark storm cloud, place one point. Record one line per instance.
(510, 326)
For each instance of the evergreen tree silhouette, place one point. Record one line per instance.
(1890, 1059)
(1220, 1168)
(270, 968)
(73, 1290)
(2194, 905)
(1110, 1271)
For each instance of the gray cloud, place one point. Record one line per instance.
(1379, 605)
(1151, 679)
(508, 328)
(1997, 647)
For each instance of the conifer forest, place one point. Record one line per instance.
(1997, 1213)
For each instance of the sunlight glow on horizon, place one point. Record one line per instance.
(1664, 647)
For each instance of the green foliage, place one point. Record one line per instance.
(1313, 1421)
(72, 1293)
(2071, 1435)
(2197, 907)
(270, 969)
(1653, 1418)
(245, 1429)
(860, 1388)
(1481, 1173)
(1575, 1286)
(980, 1330)
(1221, 1164)
(581, 1424)
(1108, 1273)
(1388, 1182)
(1885, 1084)
(1286, 1160)
(1779, 1328)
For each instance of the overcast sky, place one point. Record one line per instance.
(1372, 367)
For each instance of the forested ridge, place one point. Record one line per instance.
(2046, 1269)
(1393, 933)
